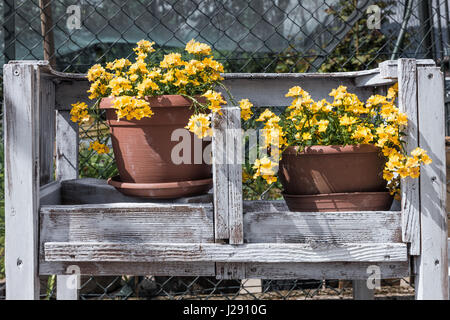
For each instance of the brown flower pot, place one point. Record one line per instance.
(143, 149)
(320, 175)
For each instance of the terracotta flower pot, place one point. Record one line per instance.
(143, 148)
(332, 174)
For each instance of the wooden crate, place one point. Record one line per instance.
(54, 227)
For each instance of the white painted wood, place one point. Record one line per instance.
(21, 180)
(66, 147)
(209, 252)
(327, 270)
(220, 176)
(47, 130)
(95, 191)
(128, 223)
(407, 103)
(234, 152)
(432, 265)
(267, 226)
(131, 268)
(389, 68)
(361, 291)
(371, 80)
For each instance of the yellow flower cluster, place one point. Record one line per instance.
(79, 112)
(246, 109)
(199, 124)
(344, 121)
(130, 82)
(132, 108)
(100, 148)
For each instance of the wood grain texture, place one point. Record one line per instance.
(326, 270)
(432, 266)
(128, 223)
(234, 152)
(22, 180)
(220, 176)
(207, 252)
(407, 102)
(66, 147)
(268, 226)
(199, 269)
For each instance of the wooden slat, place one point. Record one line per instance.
(234, 152)
(21, 180)
(208, 252)
(261, 89)
(389, 68)
(128, 223)
(95, 191)
(407, 102)
(324, 227)
(131, 268)
(47, 130)
(220, 176)
(432, 273)
(327, 270)
(66, 147)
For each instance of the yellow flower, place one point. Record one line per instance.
(199, 124)
(132, 108)
(119, 85)
(144, 46)
(403, 172)
(195, 47)
(171, 60)
(100, 148)
(95, 72)
(118, 64)
(388, 175)
(246, 111)
(267, 114)
(323, 125)
(79, 113)
(347, 121)
(215, 100)
(265, 168)
(306, 136)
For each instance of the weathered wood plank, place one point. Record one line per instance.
(268, 226)
(372, 80)
(389, 68)
(95, 191)
(220, 176)
(21, 180)
(208, 252)
(327, 270)
(432, 273)
(66, 147)
(128, 223)
(131, 268)
(234, 152)
(407, 101)
(261, 89)
(47, 130)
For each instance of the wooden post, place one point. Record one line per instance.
(432, 264)
(407, 101)
(21, 180)
(47, 31)
(67, 144)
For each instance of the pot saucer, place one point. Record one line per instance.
(164, 190)
(339, 202)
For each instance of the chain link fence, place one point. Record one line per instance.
(246, 36)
